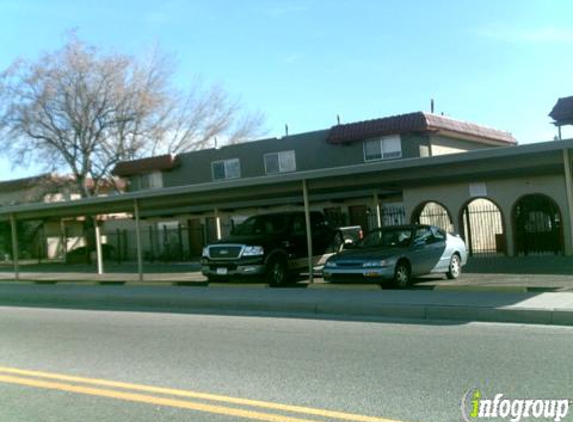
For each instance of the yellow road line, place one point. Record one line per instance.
(142, 398)
(191, 394)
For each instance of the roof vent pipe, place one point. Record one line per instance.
(432, 106)
(286, 130)
(338, 119)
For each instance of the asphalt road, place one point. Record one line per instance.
(404, 372)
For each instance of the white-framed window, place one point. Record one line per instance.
(151, 180)
(280, 162)
(384, 148)
(226, 169)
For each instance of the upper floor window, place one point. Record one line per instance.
(280, 162)
(383, 148)
(226, 169)
(151, 180)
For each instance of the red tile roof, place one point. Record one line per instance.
(51, 181)
(563, 110)
(145, 165)
(43, 180)
(416, 122)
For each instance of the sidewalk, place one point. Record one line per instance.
(537, 291)
(416, 305)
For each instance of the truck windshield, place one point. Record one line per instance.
(262, 224)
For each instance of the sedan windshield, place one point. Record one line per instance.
(388, 238)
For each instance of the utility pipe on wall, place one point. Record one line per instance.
(218, 224)
(378, 212)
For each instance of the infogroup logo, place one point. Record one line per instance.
(475, 406)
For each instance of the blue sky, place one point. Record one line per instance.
(302, 62)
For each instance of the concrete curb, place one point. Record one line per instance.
(239, 285)
(523, 308)
(329, 286)
(463, 288)
(521, 316)
(312, 286)
(489, 288)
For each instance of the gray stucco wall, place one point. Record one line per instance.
(311, 149)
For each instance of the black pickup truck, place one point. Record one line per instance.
(273, 246)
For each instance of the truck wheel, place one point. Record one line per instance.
(277, 273)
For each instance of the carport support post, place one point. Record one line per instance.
(377, 208)
(98, 246)
(569, 192)
(15, 247)
(308, 229)
(138, 240)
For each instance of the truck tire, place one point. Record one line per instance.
(277, 271)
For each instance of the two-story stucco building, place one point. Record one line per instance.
(396, 139)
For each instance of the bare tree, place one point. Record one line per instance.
(80, 110)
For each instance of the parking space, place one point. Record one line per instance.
(543, 273)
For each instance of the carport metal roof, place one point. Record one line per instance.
(335, 183)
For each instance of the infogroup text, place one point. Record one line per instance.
(475, 406)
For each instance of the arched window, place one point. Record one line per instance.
(483, 228)
(434, 214)
(537, 222)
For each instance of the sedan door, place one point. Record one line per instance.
(426, 250)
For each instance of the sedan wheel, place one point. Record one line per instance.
(455, 268)
(402, 275)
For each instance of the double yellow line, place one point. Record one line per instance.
(176, 398)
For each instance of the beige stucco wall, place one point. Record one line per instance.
(505, 193)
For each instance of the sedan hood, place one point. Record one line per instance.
(359, 254)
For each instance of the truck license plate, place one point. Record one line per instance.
(221, 271)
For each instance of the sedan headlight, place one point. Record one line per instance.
(378, 263)
(253, 251)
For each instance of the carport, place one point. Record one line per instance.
(210, 197)
(371, 181)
